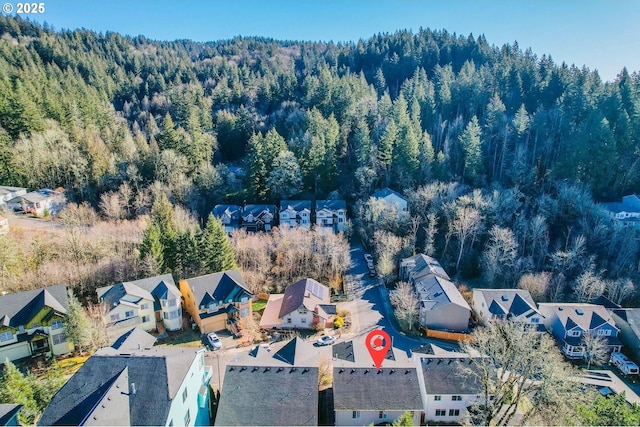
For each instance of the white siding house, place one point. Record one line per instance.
(495, 305)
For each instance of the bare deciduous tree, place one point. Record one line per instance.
(405, 303)
(499, 256)
(595, 348)
(619, 290)
(515, 366)
(588, 286)
(536, 283)
(467, 223)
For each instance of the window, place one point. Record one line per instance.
(145, 319)
(187, 418)
(382, 414)
(535, 320)
(573, 333)
(441, 412)
(59, 338)
(212, 307)
(128, 313)
(144, 306)
(115, 317)
(454, 412)
(456, 397)
(163, 302)
(56, 324)
(173, 302)
(288, 319)
(303, 320)
(604, 332)
(437, 398)
(355, 414)
(6, 335)
(244, 312)
(174, 314)
(165, 315)
(244, 300)
(184, 395)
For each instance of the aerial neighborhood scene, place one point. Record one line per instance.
(328, 213)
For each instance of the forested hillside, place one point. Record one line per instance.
(115, 120)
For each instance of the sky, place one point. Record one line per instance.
(603, 35)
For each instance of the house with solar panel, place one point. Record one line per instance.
(152, 303)
(217, 301)
(569, 323)
(498, 305)
(160, 386)
(303, 305)
(32, 323)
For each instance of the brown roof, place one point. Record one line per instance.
(307, 292)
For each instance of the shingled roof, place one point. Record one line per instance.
(8, 411)
(220, 286)
(134, 339)
(100, 392)
(390, 389)
(447, 375)
(19, 308)
(307, 292)
(268, 396)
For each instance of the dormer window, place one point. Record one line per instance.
(212, 306)
(574, 333)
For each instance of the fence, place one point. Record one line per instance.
(449, 336)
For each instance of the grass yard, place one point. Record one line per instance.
(258, 305)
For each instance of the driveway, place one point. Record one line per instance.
(23, 221)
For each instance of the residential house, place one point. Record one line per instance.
(217, 301)
(331, 214)
(626, 213)
(9, 414)
(134, 339)
(271, 388)
(441, 305)
(364, 395)
(4, 225)
(569, 323)
(152, 303)
(418, 266)
(40, 202)
(392, 198)
(32, 323)
(161, 386)
(7, 193)
(229, 215)
(496, 305)
(303, 305)
(258, 217)
(447, 388)
(295, 213)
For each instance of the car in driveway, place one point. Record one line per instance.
(368, 258)
(326, 340)
(214, 341)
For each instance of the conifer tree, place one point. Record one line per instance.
(216, 251)
(152, 246)
(78, 326)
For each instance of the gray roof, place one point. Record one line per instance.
(508, 301)
(99, 394)
(19, 308)
(392, 389)
(296, 352)
(307, 292)
(421, 265)
(632, 317)
(296, 205)
(381, 194)
(436, 292)
(8, 411)
(446, 375)
(268, 396)
(585, 316)
(220, 286)
(134, 339)
(232, 210)
(32, 197)
(258, 210)
(333, 205)
(152, 288)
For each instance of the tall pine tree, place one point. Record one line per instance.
(216, 252)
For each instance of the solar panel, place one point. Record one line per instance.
(316, 289)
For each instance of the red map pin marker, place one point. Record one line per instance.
(378, 343)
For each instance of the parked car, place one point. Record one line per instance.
(326, 340)
(214, 341)
(372, 272)
(368, 258)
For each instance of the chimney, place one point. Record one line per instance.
(132, 389)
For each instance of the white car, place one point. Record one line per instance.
(214, 341)
(326, 340)
(368, 258)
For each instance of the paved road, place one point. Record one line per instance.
(370, 307)
(22, 221)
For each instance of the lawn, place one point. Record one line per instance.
(258, 305)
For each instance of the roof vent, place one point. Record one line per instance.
(579, 311)
(505, 297)
(366, 371)
(560, 308)
(341, 371)
(305, 370)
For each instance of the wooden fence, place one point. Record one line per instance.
(449, 336)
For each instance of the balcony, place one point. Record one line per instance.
(128, 323)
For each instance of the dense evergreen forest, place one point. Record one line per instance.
(501, 152)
